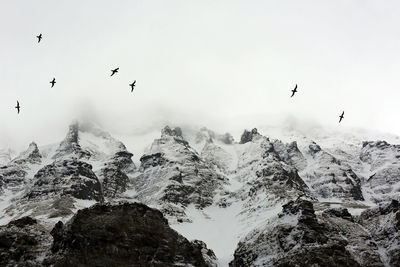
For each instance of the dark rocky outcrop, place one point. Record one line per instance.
(151, 160)
(128, 235)
(295, 239)
(67, 177)
(383, 222)
(340, 213)
(114, 181)
(114, 175)
(12, 176)
(248, 136)
(23, 242)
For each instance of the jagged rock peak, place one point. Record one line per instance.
(70, 145)
(248, 136)
(167, 131)
(31, 155)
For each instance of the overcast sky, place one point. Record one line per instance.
(201, 61)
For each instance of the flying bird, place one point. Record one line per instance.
(114, 71)
(132, 85)
(18, 107)
(53, 82)
(341, 117)
(294, 90)
(39, 37)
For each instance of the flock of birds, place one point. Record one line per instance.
(294, 91)
(53, 82)
(132, 85)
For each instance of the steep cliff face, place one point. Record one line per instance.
(13, 176)
(266, 178)
(63, 178)
(331, 178)
(383, 163)
(173, 175)
(88, 166)
(290, 154)
(383, 222)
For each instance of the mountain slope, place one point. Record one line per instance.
(237, 197)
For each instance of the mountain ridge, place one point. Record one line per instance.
(193, 177)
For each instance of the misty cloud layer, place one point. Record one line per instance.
(213, 63)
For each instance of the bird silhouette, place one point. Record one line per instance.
(39, 37)
(132, 85)
(18, 107)
(341, 117)
(114, 71)
(294, 90)
(53, 82)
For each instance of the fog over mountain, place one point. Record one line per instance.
(207, 61)
(209, 161)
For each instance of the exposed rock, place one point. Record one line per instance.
(114, 181)
(340, 213)
(208, 254)
(290, 154)
(23, 242)
(177, 132)
(361, 244)
(127, 234)
(383, 159)
(383, 222)
(248, 136)
(329, 177)
(31, 155)
(66, 177)
(295, 238)
(173, 172)
(70, 145)
(266, 179)
(12, 176)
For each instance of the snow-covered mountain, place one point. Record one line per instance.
(274, 198)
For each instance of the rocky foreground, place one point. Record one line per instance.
(103, 235)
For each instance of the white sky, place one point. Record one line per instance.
(202, 61)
